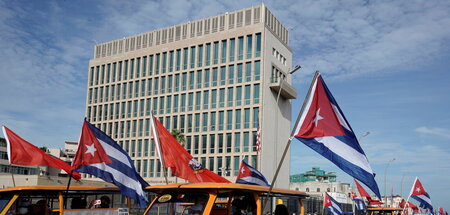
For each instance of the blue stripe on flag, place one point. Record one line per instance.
(357, 172)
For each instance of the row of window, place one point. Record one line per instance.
(237, 142)
(186, 58)
(18, 170)
(176, 83)
(246, 118)
(186, 102)
(224, 166)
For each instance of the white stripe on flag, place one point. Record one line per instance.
(253, 180)
(340, 117)
(346, 152)
(121, 178)
(116, 154)
(8, 145)
(425, 199)
(308, 104)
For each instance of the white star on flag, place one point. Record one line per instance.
(318, 117)
(418, 189)
(90, 149)
(243, 170)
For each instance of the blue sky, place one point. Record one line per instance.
(386, 63)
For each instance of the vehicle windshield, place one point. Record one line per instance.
(4, 199)
(179, 203)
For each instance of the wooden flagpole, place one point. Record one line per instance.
(289, 141)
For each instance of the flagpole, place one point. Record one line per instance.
(289, 140)
(407, 200)
(155, 136)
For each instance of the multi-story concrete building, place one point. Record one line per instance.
(217, 80)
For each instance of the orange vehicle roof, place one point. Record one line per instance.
(57, 188)
(222, 187)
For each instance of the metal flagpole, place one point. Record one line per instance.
(407, 200)
(289, 141)
(158, 146)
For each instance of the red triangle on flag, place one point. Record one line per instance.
(418, 188)
(90, 151)
(319, 118)
(244, 171)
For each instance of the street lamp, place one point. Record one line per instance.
(385, 173)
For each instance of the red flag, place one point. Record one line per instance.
(21, 152)
(362, 192)
(175, 157)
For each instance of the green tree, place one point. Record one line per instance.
(44, 148)
(179, 136)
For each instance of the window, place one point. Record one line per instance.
(178, 55)
(208, 54)
(207, 77)
(214, 76)
(211, 147)
(199, 79)
(158, 58)
(185, 58)
(205, 99)
(238, 96)
(213, 98)
(237, 142)
(241, 48)
(238, 119)
(213, 121)
(200, 56)
(205, 123)
(192, 56)
(248, 71)
(191, 80)
(230, 97)
(231, 74)
(249, 46)
(224, 51)
(257, 70)
(223, 73)
(221, 120)
(222, 97)
(229, 119)
(216, 53)
(256, 94)
(258, 45)
(232, 47)
(246, 142)
(247, 118)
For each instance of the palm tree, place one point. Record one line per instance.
(179, 136)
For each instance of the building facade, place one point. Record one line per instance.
(217, 80)
(315, 174)
(316, 181)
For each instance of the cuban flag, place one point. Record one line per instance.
(331, 205)
(418, 193)
(101, 156)
(249, 175)
(358, 202)
(323, 127)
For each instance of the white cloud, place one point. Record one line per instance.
(442, 132)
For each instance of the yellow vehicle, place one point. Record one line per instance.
(221, 199)
(55, 200)
(383, 211)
